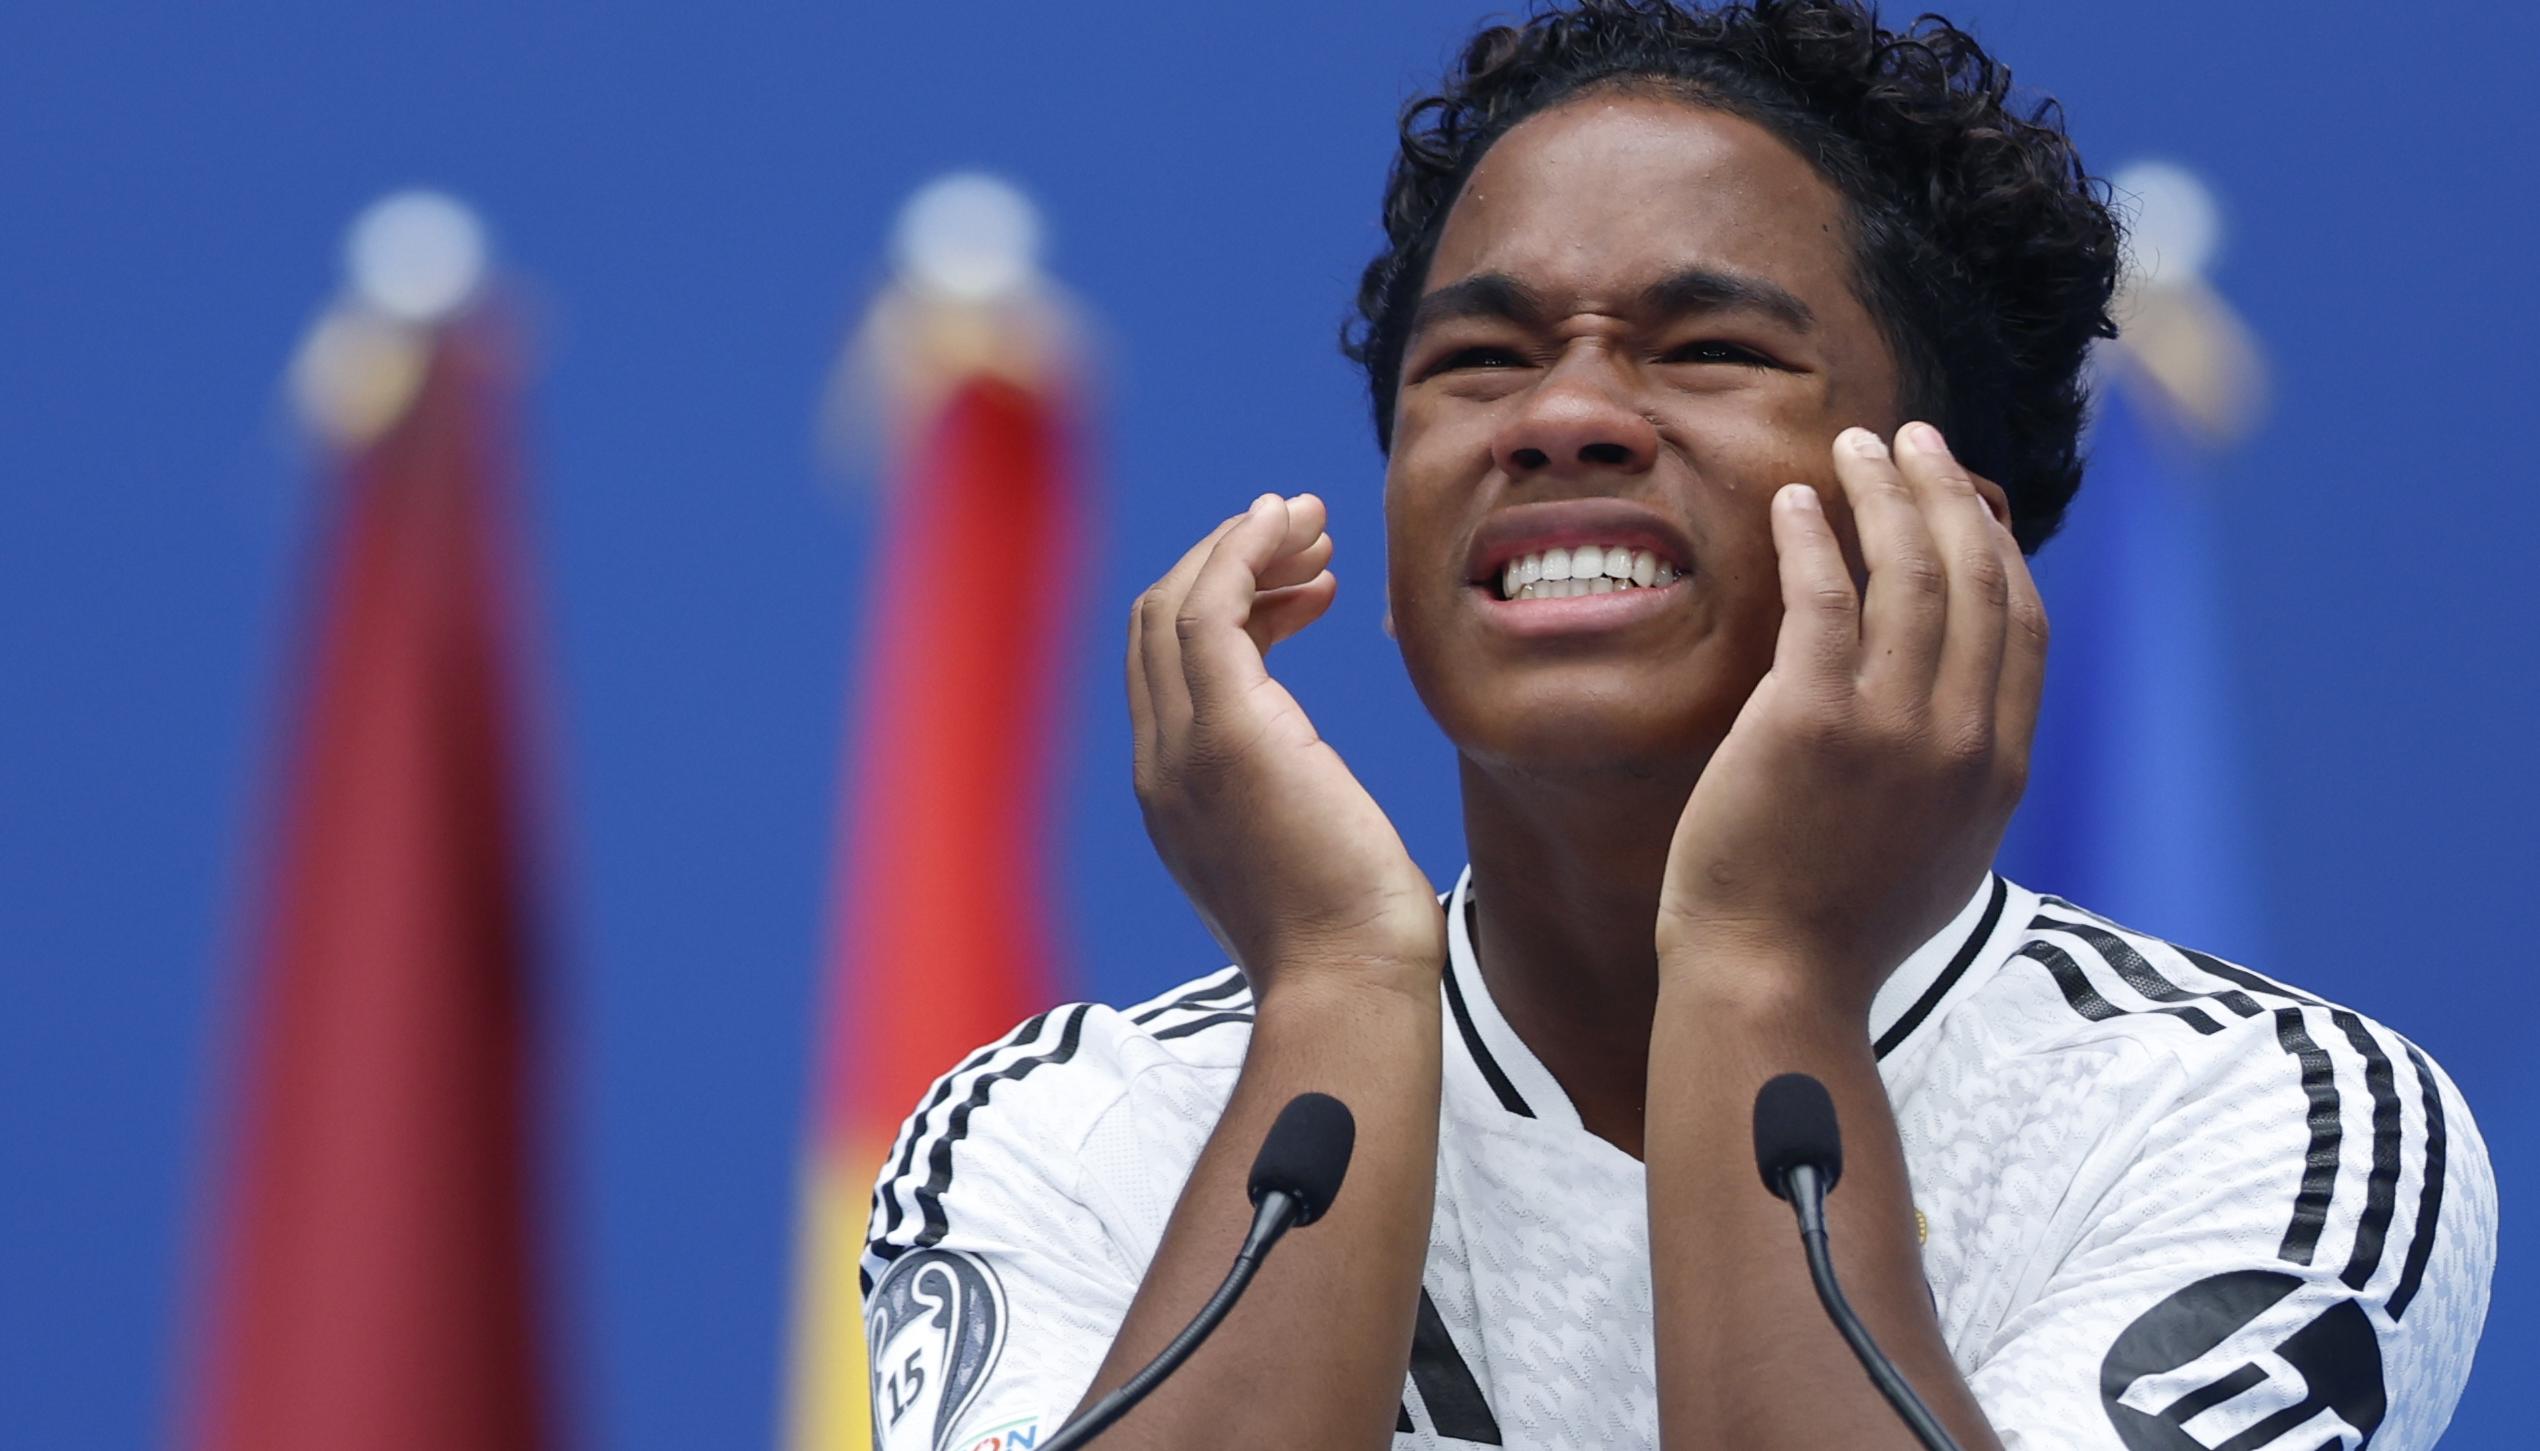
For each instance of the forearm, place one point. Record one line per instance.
(1316, 1353)
(1746, 1356)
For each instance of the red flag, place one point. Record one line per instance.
(944, 940)
(373, 1284)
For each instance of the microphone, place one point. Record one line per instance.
(1294, 1179)
(1799, 1152)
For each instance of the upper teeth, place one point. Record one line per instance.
(1580, 570)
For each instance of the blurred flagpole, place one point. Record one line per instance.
(373, 1280)
(967, 378)
(2135, 805)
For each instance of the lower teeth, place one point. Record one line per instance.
(1556, 589)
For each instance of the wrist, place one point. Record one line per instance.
(1349, 987)
(1760, 985)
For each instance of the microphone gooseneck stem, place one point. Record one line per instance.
(1808, 1198)
(1272, 1218)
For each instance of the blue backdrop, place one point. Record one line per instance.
(700, 198)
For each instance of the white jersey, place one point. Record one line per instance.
(2169, 1204)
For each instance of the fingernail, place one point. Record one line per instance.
(1800, 496)
(1864, 443)
(1925, 439)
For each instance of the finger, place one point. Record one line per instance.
(2024, 644)
(1177, 580)
(1159, 649)
(1905, 607)
(1219, 659)
(1305, 525)
(1160, 667)
(1278, 614)
(1821, 615)
(1966, 539)
(1141, 698)
(1308, 519)
(1298, 567)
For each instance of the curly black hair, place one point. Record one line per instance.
(1984, 250)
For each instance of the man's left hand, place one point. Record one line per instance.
(1864, 788)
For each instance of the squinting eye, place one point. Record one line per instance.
(1480, 357)
(1718, 352)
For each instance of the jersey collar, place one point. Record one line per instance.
(1495, 1063)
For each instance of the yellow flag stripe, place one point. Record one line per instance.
(829, 1403)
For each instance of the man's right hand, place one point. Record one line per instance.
(1307, 884)
(1285, 855)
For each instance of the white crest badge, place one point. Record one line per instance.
(935, 1326)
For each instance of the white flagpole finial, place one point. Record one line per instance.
(969, 236)
(416, 256)
(2178, 333)
(413, 260)
(2177, 228)
(966, 299)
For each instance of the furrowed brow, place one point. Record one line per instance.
(1705, 289)
(1482, 295)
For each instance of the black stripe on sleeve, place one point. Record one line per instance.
(2319, 1088)
(939, 1160)
(1912, 1017)
(2319, 1165)
(1499, 1084)
(2138, 971)
(1200, 1025)
(2318, 1189)
(2430, 1199)
(1228, 984)
(2079, 995)
(2084, 999)
(2216, 967)
(888, 1192)
(2381, 1190)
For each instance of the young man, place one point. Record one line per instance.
(1741, 658)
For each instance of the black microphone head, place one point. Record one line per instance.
(1794, 1125)
(1306, 1153)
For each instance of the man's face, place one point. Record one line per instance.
(1638, 324)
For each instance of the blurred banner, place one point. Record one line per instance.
(2135, 803)
(943, 938)
(373, 1282)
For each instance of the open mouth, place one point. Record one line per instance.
(1584, 569)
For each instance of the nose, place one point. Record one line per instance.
(1578, 415)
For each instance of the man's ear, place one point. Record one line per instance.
(1389, 634)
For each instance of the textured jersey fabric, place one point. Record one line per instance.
(2170, 1204)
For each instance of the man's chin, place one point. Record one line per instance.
(1588, 745)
